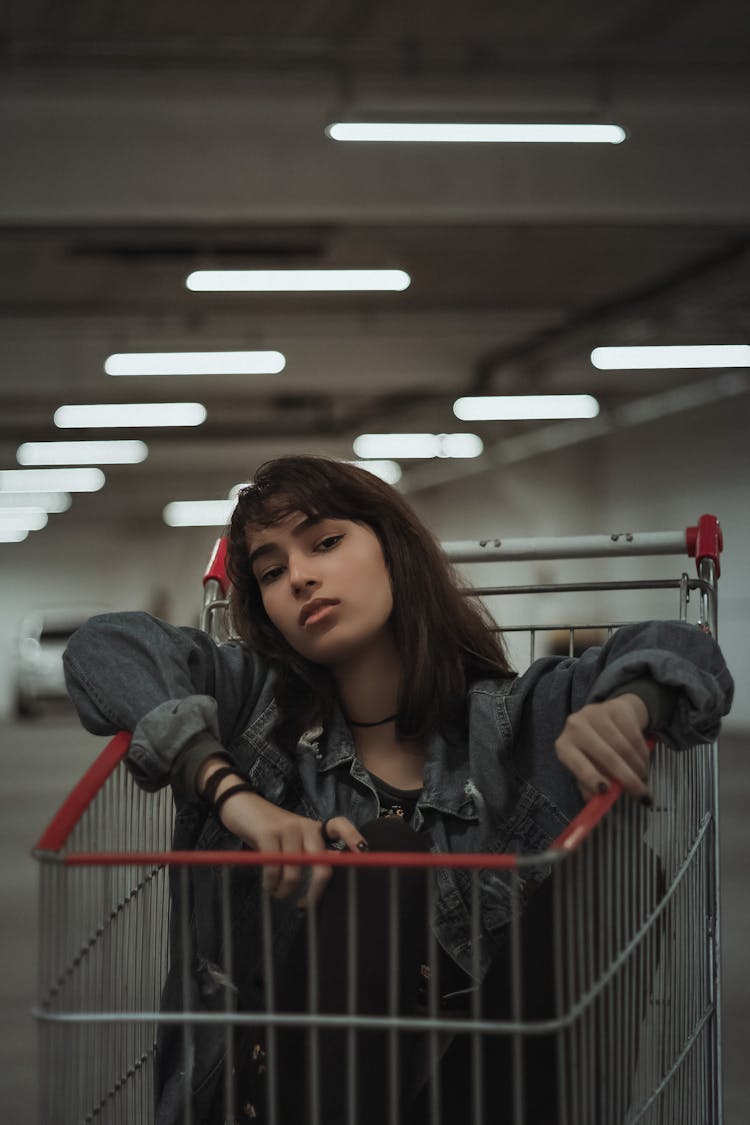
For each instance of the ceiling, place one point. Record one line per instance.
(143, 141)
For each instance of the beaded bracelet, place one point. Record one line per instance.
(244, 787)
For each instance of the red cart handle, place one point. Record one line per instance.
(705, 541)
(217, 566)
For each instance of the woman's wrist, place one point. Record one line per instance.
(226, 790)
(640, 709)
(211, 766)
(241, 814)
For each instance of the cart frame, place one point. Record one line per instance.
(102, 897)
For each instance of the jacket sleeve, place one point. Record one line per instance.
(174, 688)
(683, 662)
(675, 656)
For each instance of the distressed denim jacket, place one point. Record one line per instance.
(497, 787)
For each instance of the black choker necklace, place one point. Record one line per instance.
(379, 723)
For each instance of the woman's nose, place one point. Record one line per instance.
(300, 574)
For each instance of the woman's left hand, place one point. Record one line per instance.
(605, 741)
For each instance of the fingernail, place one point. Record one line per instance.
(647, 801)
(602, 787)
(362, 846)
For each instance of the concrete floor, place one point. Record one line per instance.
(39, 762)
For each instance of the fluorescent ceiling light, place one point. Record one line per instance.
(12, 535)
(82, 453)
(48, 501)
(418, 445)
(475, 133)
(515, 407)
(130, 414)
(298, 281)
(389, 471)
(52, 480)
(702, 355)
(23, 519)
(195, 363)
(198, 513)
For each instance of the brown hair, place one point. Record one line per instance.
(447, 635)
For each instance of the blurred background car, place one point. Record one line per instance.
(42, 638)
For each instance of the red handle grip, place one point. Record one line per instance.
(217, 566)
(705, 541)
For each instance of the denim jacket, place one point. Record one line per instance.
(498, 787)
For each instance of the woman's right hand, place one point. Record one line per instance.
(266, 828)
(605, 741)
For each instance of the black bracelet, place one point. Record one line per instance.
(209, 789)
(245, 787)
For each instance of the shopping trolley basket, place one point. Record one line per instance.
(629, 1016)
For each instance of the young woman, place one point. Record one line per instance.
(367, 703)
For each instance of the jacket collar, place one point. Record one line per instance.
(447, 787)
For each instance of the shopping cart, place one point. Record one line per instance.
(633, 923)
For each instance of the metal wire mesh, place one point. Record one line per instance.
(103, 947)
(637, 992)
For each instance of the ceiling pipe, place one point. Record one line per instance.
(491, 364)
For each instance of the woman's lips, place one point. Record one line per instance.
(315, 612)
(318, 615)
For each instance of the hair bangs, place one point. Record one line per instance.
(257, 510)
(314, 488)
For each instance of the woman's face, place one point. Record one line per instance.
(324, 584)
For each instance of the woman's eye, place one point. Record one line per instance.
(329, 542)
(270, 575)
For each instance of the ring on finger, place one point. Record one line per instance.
(327, 840)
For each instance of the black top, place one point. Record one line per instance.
(395, 802)
(454, 982)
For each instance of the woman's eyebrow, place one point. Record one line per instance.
(259, 552)
(267, 548)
